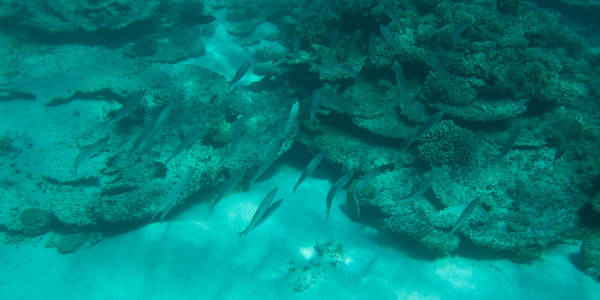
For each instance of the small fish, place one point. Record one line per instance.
(88, 151)
(241, 71)
(458, 30)
(231, 183)
(400, 77)
(339, 184)
(173, 195)
(236, 132)
(264, 210)
(424, 186)
(389, 11)
(314, 104)
(128, 107)
(387, 35)
(291, 118)
(335, 35)
(267, 161)
(510, 142)
(310, 168)
(190, 138)
(295, 45)
(372, 48)
(422, 130)
(359, 186)
(465, 215)
(151, 129)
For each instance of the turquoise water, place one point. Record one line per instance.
(299, 149)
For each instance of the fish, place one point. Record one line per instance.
(231, 183)
(422, 130)
(335, 187)
(387, 35)
(151, 129)
(241, 71)
(400, 77)
(236, 132)
(88, 151)
(372, 48)
(131, 103)
(267, 161)
(458, 30)
(291, 118)
(335, 35)
(173, 195)
(465, 214)
(424, 186)
(190, 138)
(388, 11)
(295, 45)
(359, 186)
(264, 210)
(510, 142)
(310, 168)
(314, 104)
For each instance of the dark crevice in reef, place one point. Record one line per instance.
(344, 124)
(101, 37)
(588, 217)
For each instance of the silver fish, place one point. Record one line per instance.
(422, 130)
(190, 138)
(339, 184)
(151, 129)
(510, 142)
(88, 151)
(359, 186)
(291, 118)
(400, 77)
(128, 107)
(241, 71)
(314, 104)
(173, 195)
(424, 186)
(466, 213)
(372, 48)
(231, 183)
(310, 168)
(387, 36)
(264, 210)
(267, 161)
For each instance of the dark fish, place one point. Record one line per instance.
(510, 142)
(267, 161)
(151, 129)
(314, 104)
(291, 118)
(264, 210)
(359, 186)
(190, 138)
(339, 184)
(465, 215)
(88, 151)
(372, 48)
(387, 36)
(128, 107)
(310, 168)
(173, 195)
(241, 71)
(422, 130)
(424, 186)
(231, 183)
